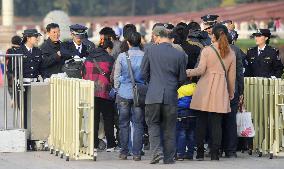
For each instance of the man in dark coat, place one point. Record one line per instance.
(163, 67)
(52, 57)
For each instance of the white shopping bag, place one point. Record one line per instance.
(244, 124)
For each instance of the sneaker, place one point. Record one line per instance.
(179, 158)
(156, 159)
(122, 157)
(110, 149)
(137, 158)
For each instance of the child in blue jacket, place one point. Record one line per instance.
(185, 127)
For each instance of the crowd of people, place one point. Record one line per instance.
(175, 93)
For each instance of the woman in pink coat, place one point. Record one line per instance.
(214, 90)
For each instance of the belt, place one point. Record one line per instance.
(29, 80)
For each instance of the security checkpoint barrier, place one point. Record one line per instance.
(72, 118)
(264, 97)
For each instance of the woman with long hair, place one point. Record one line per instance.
(215, 89)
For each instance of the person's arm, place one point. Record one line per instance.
(231, 77)
(117, 71)
(48, 58)
(200, 70)
(65, 51)
(145, 67)
(277, 65)
(248, 65)
(240, 73)
(182, 70)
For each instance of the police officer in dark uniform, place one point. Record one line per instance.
(209, 21)
(263, 60)
(32, 60)
(75, 47)
(75, 51)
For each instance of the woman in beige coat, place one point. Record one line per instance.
(214, 90)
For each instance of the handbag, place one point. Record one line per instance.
(73, 68)
(139, 90)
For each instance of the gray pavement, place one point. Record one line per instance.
(106, 160)
(44, 160)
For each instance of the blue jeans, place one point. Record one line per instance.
(185, 137)
(127, 113)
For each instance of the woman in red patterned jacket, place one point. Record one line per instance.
(98, 67)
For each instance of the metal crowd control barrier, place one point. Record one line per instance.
(72, 118)
(17, 89)
(264, 97)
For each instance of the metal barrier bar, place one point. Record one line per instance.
(72, 118)
(17, 62)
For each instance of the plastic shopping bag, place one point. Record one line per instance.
(244, 124)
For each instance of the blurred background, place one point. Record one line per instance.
(247, 15)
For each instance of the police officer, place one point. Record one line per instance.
(75, 47)
(75, 51)
(209, 21)
(32, 60)
(263, 60)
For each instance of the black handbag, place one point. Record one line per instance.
(73, 68)
(139, 90)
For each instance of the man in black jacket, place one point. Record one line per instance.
(52, 58)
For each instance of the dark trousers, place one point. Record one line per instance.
(216, 130)
(162, 118)
(105, 107)
(229, 127)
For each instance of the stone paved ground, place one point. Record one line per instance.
(44, 160)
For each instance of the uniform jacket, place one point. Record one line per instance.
(163, 67)
(69, 50)
(266, 64)
(213, 90)
(52, 63)
(31, 61)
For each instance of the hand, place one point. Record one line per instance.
(188, 72)
(241, 99)
(58, 53)
(231, 97)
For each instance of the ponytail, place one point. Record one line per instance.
(224, 47)
(221, 33)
